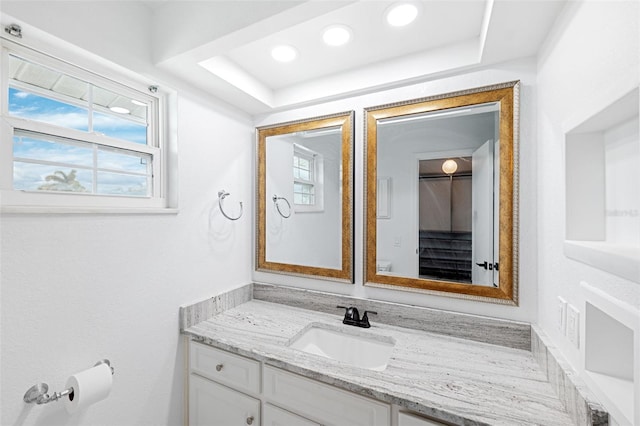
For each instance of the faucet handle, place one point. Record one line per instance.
(348, 313)
(365, 318)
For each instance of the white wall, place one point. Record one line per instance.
(523, 70)
(79, 288)
(590, 60)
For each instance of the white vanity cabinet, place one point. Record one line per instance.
(219, 384)
(228, 389)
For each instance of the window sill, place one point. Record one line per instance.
(88, 210)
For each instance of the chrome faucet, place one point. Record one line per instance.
(352, 317)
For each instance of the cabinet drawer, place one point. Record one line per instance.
(276, 416)
(213, 404)
(224, 367)
(322, 403)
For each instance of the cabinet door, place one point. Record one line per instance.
(275, 416)
(321, 402)
(212, 404)
(405, 419)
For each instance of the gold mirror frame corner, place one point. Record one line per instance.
(508, 95)
(347, 272)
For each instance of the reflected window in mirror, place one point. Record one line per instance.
(443, 168)
(305, 203)
(308, 179)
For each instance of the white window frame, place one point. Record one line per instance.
(317, 179)
(160, 141)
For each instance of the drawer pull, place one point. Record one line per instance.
(250, 420)
(219, 367)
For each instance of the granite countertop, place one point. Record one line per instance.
(448, 378)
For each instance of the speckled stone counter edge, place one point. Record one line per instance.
(572, 391)
(511, 334)
(201, 311)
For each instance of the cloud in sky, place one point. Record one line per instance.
(22, 95)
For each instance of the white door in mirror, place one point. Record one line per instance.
(482, 215)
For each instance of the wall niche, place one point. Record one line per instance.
(602, 199)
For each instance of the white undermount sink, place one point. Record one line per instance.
(355, 347)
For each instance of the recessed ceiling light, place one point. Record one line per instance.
(119, 110)
(336, 35)
(284, 53)
(402, 14)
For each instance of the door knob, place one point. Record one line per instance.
(483, 265)
(219, 367)
(250, 420)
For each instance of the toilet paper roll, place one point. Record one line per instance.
(89, 387)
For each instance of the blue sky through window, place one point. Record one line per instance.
(69, 156)
(38, 108)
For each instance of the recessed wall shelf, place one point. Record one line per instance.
(611, 356)
(602, 200)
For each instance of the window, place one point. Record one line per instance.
(307, 179)
(76, 139)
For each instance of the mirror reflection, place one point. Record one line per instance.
(449, 185)
(305, 197)
(304, 219)
(440, 193)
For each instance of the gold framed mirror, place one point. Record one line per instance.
(441, 202)
(305, 198)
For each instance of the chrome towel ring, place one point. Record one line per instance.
(275, 199)
(221, 196)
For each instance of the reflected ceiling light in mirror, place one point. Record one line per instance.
(139, 103)
(284, 53)
(336, 35)
(401, 14)
(449, 166)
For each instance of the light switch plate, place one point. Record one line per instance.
(561, 316)
(573, 325)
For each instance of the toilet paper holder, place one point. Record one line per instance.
(38, 392)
